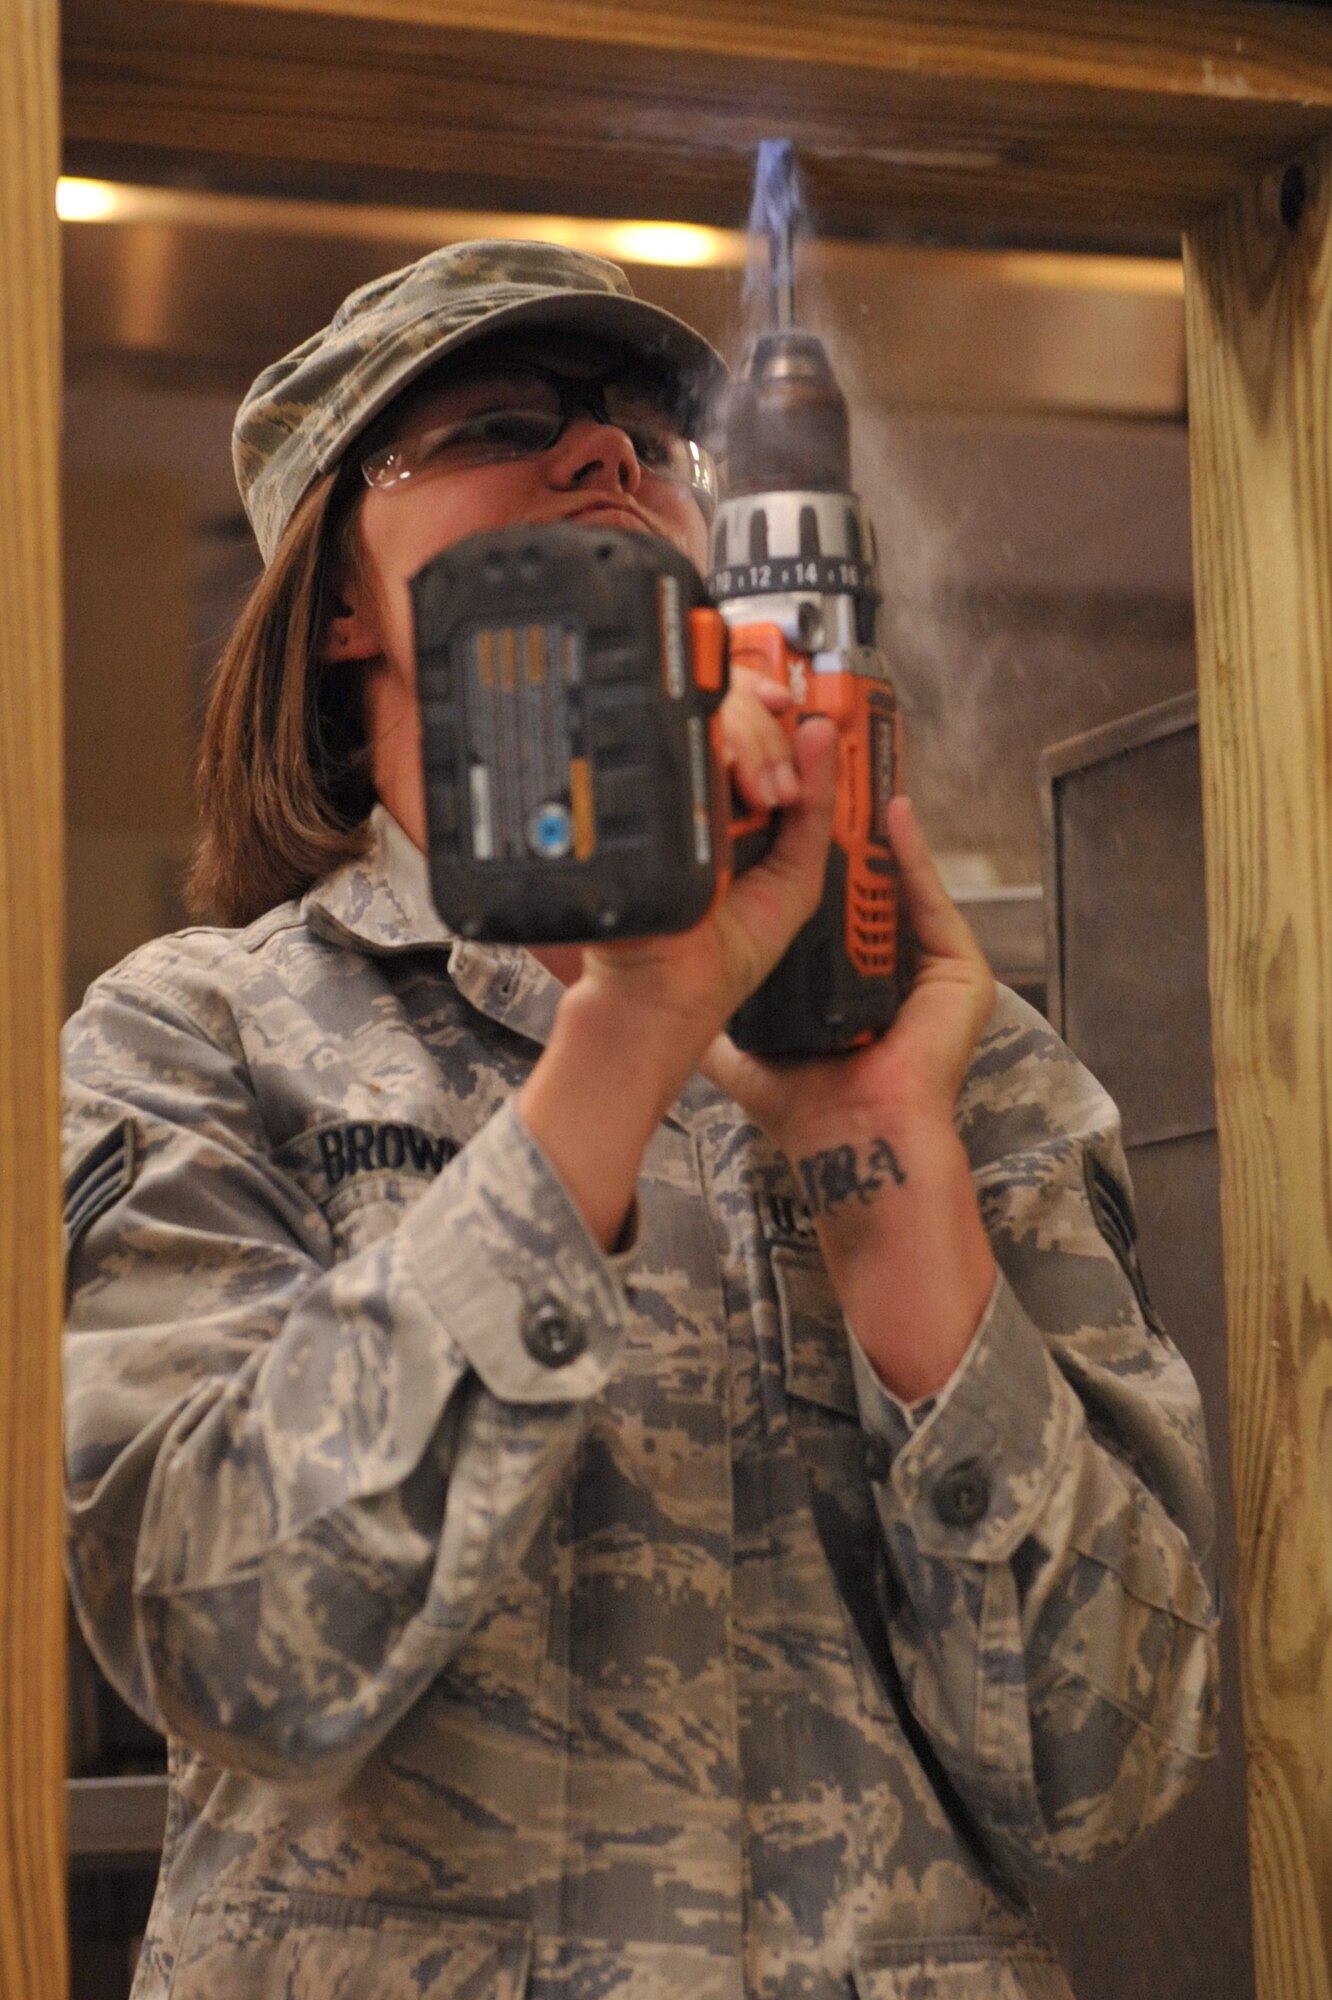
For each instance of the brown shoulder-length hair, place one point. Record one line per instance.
(283, 773)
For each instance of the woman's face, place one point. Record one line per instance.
(591, 473)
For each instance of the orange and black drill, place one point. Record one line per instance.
(795, 576)
(571, 683)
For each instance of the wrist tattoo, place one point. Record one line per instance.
(848, 1173)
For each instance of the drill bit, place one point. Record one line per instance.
(786, 419)
(775, 208)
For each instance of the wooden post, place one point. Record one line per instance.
(1259, 302)
(32, 1593)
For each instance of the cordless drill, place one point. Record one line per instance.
(571, 681)
(794, 574)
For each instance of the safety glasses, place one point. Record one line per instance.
(518, 412)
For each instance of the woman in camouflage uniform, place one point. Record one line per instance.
(591, 1514)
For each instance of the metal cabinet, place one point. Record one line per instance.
(1126, 969)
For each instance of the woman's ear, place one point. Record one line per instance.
(352, 631)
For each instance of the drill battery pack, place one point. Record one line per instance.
(569, 684)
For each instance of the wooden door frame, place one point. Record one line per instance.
(32, 1598)
(1111, 122)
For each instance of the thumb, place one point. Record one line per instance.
(766, 905)
(800, 849)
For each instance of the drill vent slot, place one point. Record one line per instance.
(873, 917)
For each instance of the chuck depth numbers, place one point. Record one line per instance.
(824, 573)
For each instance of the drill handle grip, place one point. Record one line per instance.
(842, 978)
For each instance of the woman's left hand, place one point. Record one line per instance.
(871, 1141)
(915, 1070)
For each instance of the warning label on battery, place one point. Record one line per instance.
(529, 776)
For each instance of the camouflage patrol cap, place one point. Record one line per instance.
(303, 411)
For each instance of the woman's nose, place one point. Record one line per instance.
(592, 453)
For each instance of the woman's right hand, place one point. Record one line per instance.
(633, 1027)
(697, 978)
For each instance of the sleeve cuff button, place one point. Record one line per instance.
(962, 1494)
(552, 1335)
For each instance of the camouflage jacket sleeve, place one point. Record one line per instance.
(1048, 1518)
(293, 1481)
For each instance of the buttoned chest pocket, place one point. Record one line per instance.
(363, 1175)
(369, 1210)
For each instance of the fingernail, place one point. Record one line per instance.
(767, 785)
(787, 783)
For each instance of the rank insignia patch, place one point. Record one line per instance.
(99, 1179)
(1115, 1220)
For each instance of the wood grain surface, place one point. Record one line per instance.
(1081, 124)
(1195, 48)
(32, 1592)
(1259, 309)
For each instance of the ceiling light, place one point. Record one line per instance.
(86, 201)
(681, 243)
(675, 243)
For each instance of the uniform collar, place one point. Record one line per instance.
(381, 903)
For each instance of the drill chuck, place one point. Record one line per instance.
(791, 531)
(786, 419)
(805, 561)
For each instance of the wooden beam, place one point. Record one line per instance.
(1087, 124)
(1259, 312)
(32, 1590)
(1202, 49)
